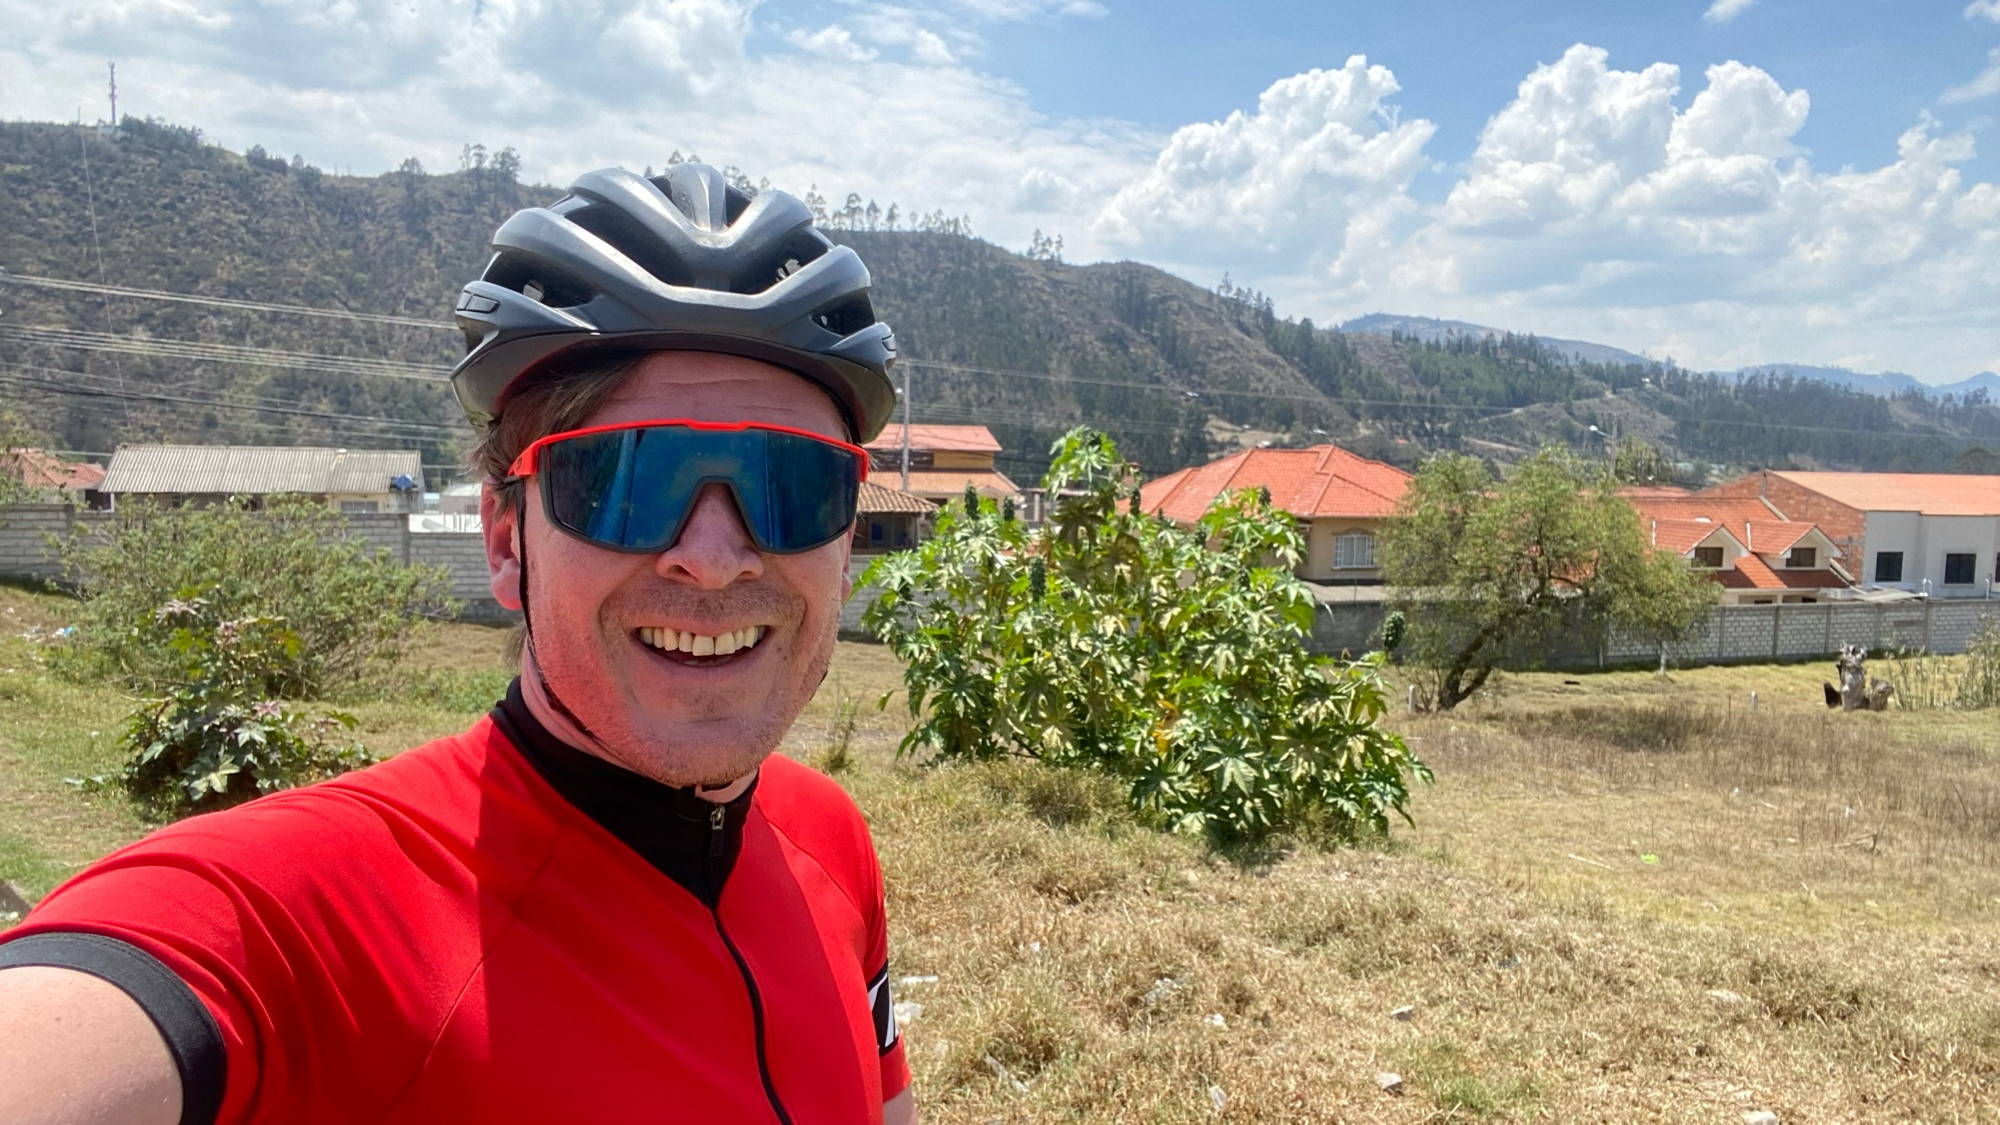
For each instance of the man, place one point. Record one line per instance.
(607, 901)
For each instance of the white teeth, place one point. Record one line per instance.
(694, 644)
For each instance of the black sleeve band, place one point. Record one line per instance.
(184, 1021)
(884, 1006)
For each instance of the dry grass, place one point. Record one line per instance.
(1624, 901)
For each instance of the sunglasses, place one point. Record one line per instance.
(631, 487)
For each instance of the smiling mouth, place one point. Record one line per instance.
(701, 649)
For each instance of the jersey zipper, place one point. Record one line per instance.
(718, 818)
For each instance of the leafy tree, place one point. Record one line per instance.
(1486, 571)
(1171, 658)
(352, 610)
(1638, 461)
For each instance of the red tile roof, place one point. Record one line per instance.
(1681, 536)
(1752, 573)
(38, 469)
(935, 439)
(1932, 494)
(1754, 524)
(1320, 481)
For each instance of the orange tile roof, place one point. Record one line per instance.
(948, 483)
(876, 499)
(1754, 524)
(934, 439)
(1682, 536)
(1932, 494)
(39, 469)
(1320, 481)
(1752, 573)
(1653, 491)
(1768, 537)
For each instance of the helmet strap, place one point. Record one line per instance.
(528, 625)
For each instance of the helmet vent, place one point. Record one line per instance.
(537, 281)
(847, 317)
(634, 241)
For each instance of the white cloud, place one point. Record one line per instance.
(1990, 9)
(1595, 206)
(1985, 84)
(833, 42)
(1722, 11)
(1316, 175)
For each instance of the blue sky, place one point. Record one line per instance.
(1723, 182)
(1872, 67)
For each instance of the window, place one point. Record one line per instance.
(1802, 558)
(1710, 557)
(358, 507)
(1888, 566)
(1958, 569)
(1354, 551)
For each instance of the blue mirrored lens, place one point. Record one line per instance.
(631, 490)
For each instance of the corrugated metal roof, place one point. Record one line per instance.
(257, 469)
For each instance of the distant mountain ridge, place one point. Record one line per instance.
(1434, 330)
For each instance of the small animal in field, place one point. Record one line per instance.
(1856, 691)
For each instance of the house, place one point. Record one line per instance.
(943, 460)
(1936, 534)
(354, 480)
(49, 479)
(1758, 556)
(1340, 499)
(887, 519)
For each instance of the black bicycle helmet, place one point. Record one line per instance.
(679, 261)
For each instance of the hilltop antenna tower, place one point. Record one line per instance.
(114, 94)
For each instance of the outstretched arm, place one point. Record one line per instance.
(76, 1050)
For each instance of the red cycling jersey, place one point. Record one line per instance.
(496, 928)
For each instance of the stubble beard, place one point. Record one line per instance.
(706, 737)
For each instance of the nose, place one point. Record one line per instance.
(714, 549)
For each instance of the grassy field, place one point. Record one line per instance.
(1626, 899)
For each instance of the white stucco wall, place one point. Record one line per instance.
(1925, 541)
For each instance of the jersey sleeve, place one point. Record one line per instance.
(212, 930)
(881, 995)
(297, 922)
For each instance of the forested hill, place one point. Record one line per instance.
(1026, 345)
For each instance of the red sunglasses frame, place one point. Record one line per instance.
(525, 465)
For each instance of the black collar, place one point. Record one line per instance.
(692, 841)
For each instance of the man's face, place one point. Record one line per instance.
(676, 718)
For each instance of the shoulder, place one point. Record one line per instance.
(816, 815)
(456, 804)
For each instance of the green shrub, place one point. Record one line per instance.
(216, 738)
(1171, 658)
(352, 609)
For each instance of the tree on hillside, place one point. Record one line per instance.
(1488, 571)
(1638, 461)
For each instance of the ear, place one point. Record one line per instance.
(501, 528)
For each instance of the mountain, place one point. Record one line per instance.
(1027, 346)
(1433, 330)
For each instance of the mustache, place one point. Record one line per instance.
(762, 601)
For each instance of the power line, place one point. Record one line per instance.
(223, 353)
(90, 198)
(8, 278)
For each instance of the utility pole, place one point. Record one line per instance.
(114, 94)
(906, 427)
